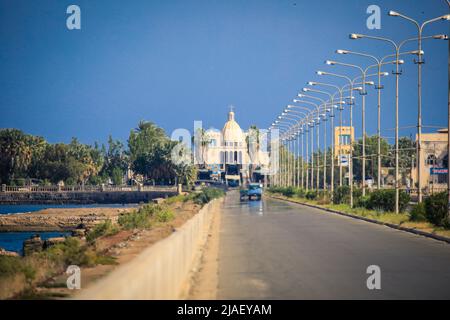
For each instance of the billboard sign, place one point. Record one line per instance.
(438, 171)
(344, 160)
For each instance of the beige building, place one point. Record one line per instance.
(342, 139)
(227, 155)
(434, 162)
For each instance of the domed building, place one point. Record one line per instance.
(226, 155)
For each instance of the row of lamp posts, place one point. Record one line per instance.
(297, 122)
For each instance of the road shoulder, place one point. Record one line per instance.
(390, 225)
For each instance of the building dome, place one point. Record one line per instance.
(231, 131)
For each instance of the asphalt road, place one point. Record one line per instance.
(277, 250)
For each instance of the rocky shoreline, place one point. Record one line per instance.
(58, 219)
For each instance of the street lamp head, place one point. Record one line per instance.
(342, 51)
(312, 83)
(385, 74)
(418, 52)
(358, 89)
(370, 83)
(305, 89)
(330, 63)
(355, 36)
(399, 62)
(289, 107)
(393, 13)
(301, 95)
(446, 17)
(279, 117)
(440, 37)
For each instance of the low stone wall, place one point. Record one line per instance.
(83, 197)
(161, 271)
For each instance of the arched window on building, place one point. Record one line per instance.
(222, 159)
(240, 157)
(235, 157)
(431, 160)
(230, 157)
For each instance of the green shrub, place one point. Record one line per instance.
(289, 192)
(69, 252)
(164, 215)
(384, 200)
(208, 194)
(19, 182)
(300, 193)
(70, 182)
(175, 199)
(138, 219)
(72, 252)
(311, 195)
(273, 189)
(9, 265)
(418, 213)
(362, 202)
(106, 228)
(12, 265)
(341, 195)
(357, 193)
(436, 209)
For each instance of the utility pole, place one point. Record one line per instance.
(448, 129)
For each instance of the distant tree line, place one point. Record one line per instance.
(25, 158)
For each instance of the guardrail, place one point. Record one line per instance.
(102, 188)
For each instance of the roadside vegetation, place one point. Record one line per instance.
(25, 158)
(429, 216)
(20, 275)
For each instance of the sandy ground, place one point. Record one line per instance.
(124, 246)
(58, 219)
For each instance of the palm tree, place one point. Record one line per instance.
(253, 147)
(203, 139)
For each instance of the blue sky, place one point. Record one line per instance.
(173, 62)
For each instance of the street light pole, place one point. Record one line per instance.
(397, 47)
(289, 164)
(363, 93)
(299, 135)
(397, 74)
(325, 147)
(448, 130)
(312, 121)
(307, 125)
(333, 156)
(419, 62)
(350, 174)
(325, 153)
(287, 125)
(307, 157)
